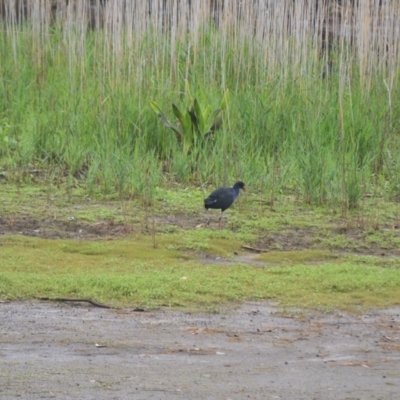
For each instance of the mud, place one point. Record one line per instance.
(293, 238)
(77, 351)
(57, 229)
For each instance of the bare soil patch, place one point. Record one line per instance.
(292, 238)
(52, 228)
(58, 229)
(70, 351)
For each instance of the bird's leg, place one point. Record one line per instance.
(208, 217)
(220, 219)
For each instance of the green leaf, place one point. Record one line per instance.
(155, 107)
(200, 117)
(183, 119)
(194, 120)
(225, 100)
(214, 122)
(176, 128)
(206, 113)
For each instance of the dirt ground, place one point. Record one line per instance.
(293, 238)
(78, 351)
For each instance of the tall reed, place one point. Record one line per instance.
(314, 87)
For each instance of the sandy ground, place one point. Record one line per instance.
(77, 351)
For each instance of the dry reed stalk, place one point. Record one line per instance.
(287, 36)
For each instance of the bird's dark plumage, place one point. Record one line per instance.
(223, 197)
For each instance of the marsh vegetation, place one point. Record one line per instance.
(307, 99)
(312, 105)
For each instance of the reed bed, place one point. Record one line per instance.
(313, 105)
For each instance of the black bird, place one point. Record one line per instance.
(222, 198)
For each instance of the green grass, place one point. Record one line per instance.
(298, 257)
(86, 120)
(131, 272)
(80, 145)
(310, 260)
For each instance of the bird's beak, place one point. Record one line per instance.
(244, 188)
